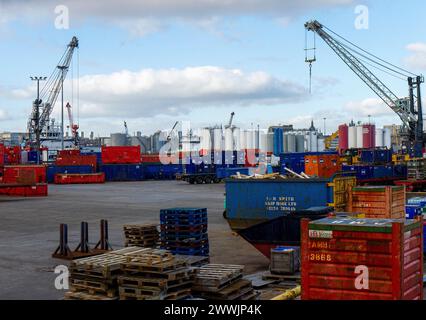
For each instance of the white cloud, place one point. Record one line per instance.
(146, 16)
(374, 107)
(417, 57)
(151, 92)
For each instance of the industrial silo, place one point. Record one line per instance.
(300, 143)
(379, 138)
(291, 141)
(118, 139)
(352, 139)
(236, 133)
(229, 140)
(359, 136)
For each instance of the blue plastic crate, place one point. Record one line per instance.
(412, 211)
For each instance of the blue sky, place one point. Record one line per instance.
(154, 62)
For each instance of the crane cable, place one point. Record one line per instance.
(406, 72)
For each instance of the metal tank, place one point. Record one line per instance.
(291, 140)
(359, 136)
(379, 138)
(229, 140)
(352, 138)
(217, 139)
(236, 133)
(343, 137)
(387, 137)
(263, 141)
(314, 141)
(368, 136)
(243, 141)
(300, 143)
(118, 139)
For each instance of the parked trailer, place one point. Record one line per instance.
(199, 178)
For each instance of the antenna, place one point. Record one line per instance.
(310, 58)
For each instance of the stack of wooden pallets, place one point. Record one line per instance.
(95, 278)
(222, 282)
(155, 275)
(184, 231)
(145, 235)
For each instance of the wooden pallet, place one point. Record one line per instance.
(104, 265)
(214, 277)
(85, 296)
(110, 293)
(232, 291)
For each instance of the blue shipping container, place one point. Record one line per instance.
(376, 156)
(253, 201)
(122, 172)
(412, 211)
(53, 169)
(161, 171)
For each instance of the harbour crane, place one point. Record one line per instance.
(74, 127)
(126, 129)
(409, 109)
(43, 107)
(229, 125)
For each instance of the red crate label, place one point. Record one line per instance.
(323, 234)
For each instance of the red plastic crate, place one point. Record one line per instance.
(121, 155)
(24, 174)
(388, 253)
(77, 160)
(63, 178)
(39, 190)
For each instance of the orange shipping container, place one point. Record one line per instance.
(362, 259)
(322, 166)
(385, 202)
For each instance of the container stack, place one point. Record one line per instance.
(122, 163)
(155, 275)
(24, 180)
(184, 231)
(222, 282)
(362, 259)
(145, 235)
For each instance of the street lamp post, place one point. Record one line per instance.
(37, 115)
(62, 68)
(324, 125)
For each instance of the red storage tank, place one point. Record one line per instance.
(121, 155)
(362, 259)
(368, 136)
(343, 138)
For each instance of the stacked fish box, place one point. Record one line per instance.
(184, 231)
(362, 259)
(385, 202)
(416, 169)
(145, 235)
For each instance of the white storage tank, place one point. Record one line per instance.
(229, 140)
(321, 144)
(300, 143)
(291, 140)
(379, 138)
(236, 136)
(217, 139)
(263, 141)
(270, 148)
(250, 139)
(314, 141)
(243, 141)
(359, 136)
(387, 138)
(352, 137)
(308, 142)
(285, 142)
(205, 140)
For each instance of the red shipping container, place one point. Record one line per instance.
(121, 155)
(25, 174)
(2, 155)
(362, 259)
(39, 190)
(79, 178)
(77, 160)
(70, 152)
(150, 158)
